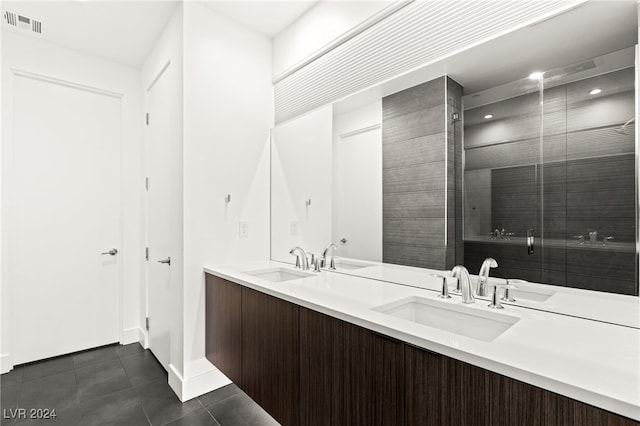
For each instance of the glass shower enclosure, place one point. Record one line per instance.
(550, 179)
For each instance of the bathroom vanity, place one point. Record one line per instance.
(329, 348)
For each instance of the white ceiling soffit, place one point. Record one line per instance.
(421, 33)
(119, 31)
(266, 17)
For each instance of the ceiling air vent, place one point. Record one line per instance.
(22, 22)
(11, 18)
(36, 26)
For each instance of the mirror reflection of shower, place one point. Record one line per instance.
(572, 179)
(622, 129)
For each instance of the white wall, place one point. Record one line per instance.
(323, 23)
(228, 112)
(362, 123)
(36, 56)
(301, 169)
(169, 50)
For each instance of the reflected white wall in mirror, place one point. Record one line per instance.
(357, 183)
(301, 170)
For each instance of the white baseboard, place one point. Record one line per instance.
(6, 363)
(130, 335)
(143, 338)
(204, 379)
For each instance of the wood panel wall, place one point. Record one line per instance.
(421, 175)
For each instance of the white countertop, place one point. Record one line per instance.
(593, 362)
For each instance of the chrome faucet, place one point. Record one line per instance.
(444, 293)
(483, 276)
(329, 252)
(302, 261)
(495, 298)
(464, 283)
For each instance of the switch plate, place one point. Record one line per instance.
(294, 229)
(243, 229)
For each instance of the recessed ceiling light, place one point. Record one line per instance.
(488, 116)
(536, 75)
(595, 91)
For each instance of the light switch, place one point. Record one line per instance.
(294, 229)
(243, 229)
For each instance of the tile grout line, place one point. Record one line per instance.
(210, 413)
(222, 400)
(135, 393)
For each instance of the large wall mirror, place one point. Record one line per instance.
(474, 157)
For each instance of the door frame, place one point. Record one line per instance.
(7, 355)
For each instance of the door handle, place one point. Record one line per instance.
(167, 260)
(111, 252)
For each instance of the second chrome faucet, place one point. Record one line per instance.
(326, 261)
(466, 288)
(483, 276)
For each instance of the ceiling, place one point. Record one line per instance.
(121, 31)
(266, 17)
(125, 31)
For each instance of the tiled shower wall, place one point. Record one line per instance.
(587, 183)
(422, 175)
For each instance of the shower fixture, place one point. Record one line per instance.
(623, 128)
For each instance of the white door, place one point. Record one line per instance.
(164, 210)
(359, 228)
(64, 211)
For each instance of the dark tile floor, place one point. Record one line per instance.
(115, 385)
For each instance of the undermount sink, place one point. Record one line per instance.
(278, 275)
(351, 264)
(530, 292)
(450, 317)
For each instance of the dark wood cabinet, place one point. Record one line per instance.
(318, 362)
(223, 331)
(270, 371)
(348, 375)
(529, 404)
(307, 368)
(369, 379)
(441, 390)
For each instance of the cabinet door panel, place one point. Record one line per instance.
(270, 369)
(349, 375)
(442, 390)
(368, 378)
(317, 364)
(527, 404)
(425, 373)
(467, 394)
(223, 330)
